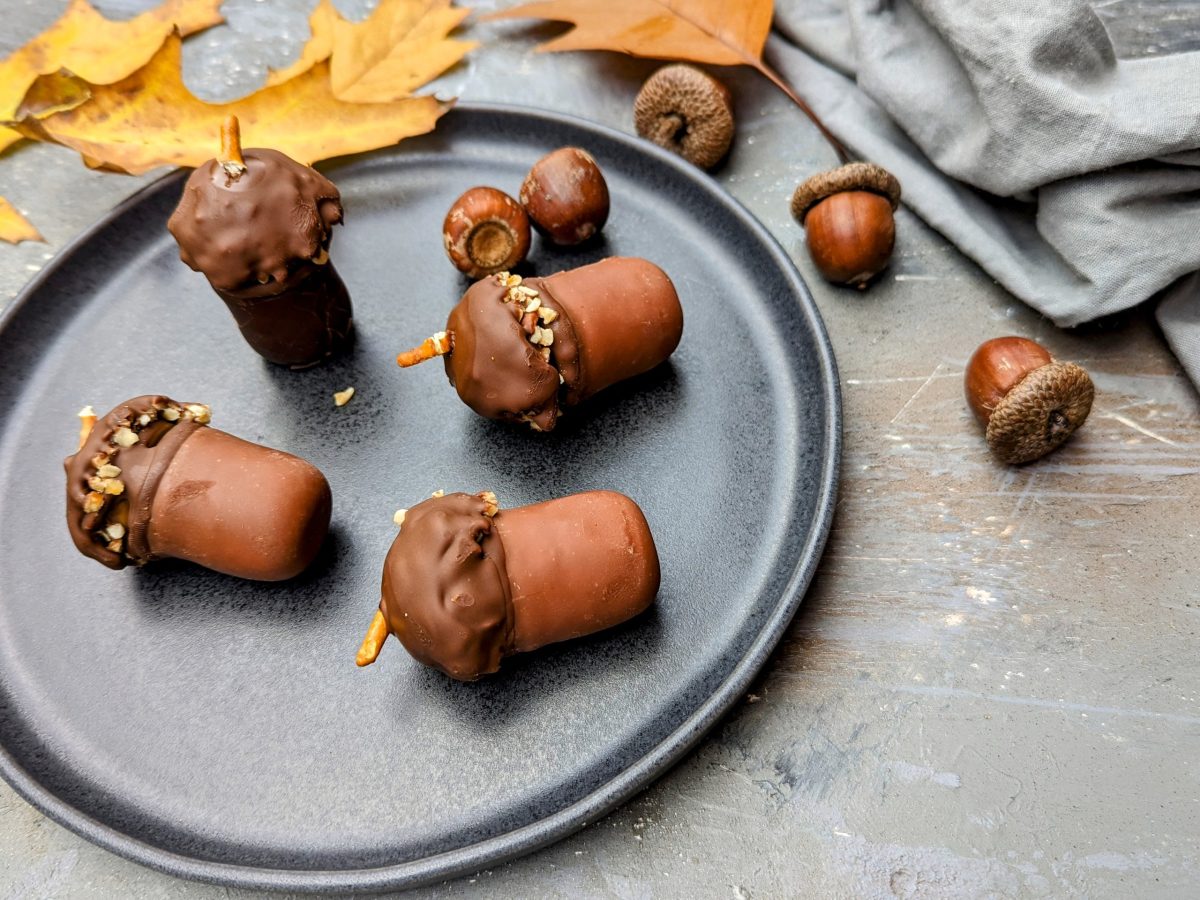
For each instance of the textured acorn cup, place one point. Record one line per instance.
(847, 214)
(686, 111)
(566, 196)
(486, 231)
(1029, 402)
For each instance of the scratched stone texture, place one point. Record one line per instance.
(993, 687)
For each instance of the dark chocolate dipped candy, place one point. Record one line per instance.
(523, 350)
(466, 584)
(152, 481)
(258, 226)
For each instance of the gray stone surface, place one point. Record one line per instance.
(992, 688)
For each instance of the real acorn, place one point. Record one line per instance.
(685, 110)
(566, 196)
(847, 214)
(1029, 402)
(486, 231)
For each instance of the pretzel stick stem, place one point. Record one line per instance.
(376, 634)
(231, 158)
(438, 345)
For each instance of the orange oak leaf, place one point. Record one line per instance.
(150, 119)
(14, 227)
(96, 49)
(716, 32)
(400, 46)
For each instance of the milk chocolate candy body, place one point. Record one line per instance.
(523, 350)
(153, 481)
(262, 240)
(465, 585)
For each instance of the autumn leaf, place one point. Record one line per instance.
(96, 49)
(14, 227)
(397, 48)
(150, 119)
(716, 32)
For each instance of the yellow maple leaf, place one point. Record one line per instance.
(14, 227)
(151, 119)
(96, 49)
(401, 45)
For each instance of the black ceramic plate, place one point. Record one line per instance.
(218, 729)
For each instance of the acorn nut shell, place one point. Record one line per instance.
(566, 196)
(486, 231)
(1029, 403)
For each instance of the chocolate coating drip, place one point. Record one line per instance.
(140, 470)
(261, 240)
(495, 370)
(248, 233)
(615, 319)
(462, 590)
(195, 493)
(445, 592)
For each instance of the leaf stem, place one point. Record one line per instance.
(838, 147)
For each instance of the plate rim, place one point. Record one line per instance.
(652, 765)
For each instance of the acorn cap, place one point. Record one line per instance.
(1040, 413)
(855, 176)
(686, 111)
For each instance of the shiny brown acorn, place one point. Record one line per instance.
(566, 196)
(1028, 402)
(485, 231)
(847, 214)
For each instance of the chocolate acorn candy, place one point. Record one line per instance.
(466, 584)
(151, 480)
(258, 226)
(523, 350)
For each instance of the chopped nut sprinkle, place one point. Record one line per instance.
(491, 505)
(398, 518)
(198, 412)
(108, 470)
(341, 398)
(123, 437)
(438, 493)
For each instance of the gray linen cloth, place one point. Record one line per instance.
(1070, 176)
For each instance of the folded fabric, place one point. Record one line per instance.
(1070, 176)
